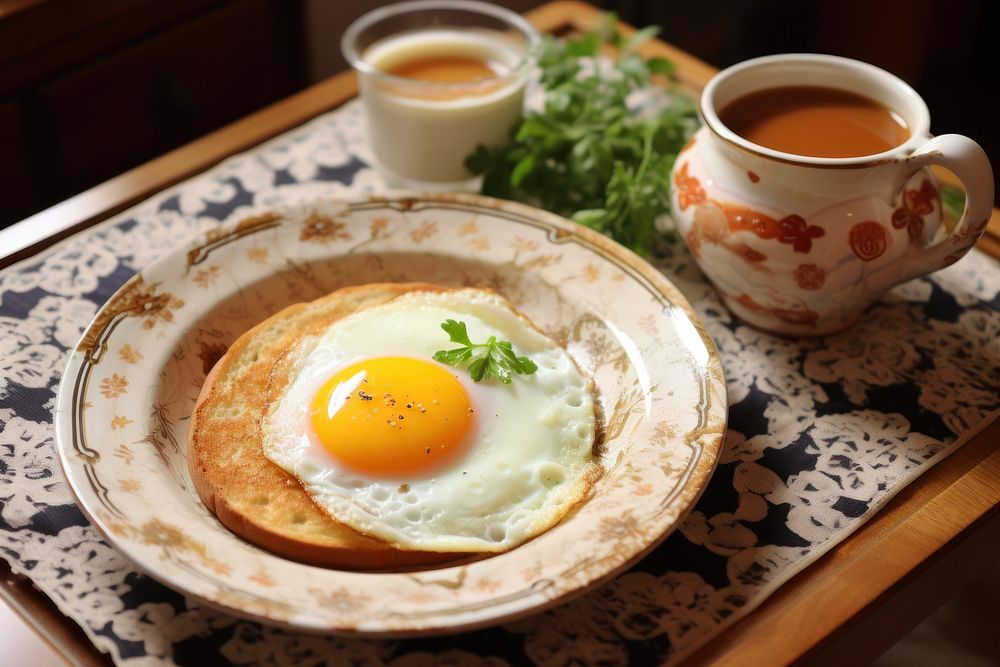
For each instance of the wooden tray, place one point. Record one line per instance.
(847, 608)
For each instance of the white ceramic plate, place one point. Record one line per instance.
(131, 382)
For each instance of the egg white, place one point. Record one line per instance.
(532, 458)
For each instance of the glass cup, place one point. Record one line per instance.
(421, 126)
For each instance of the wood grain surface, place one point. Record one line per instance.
(847, 608)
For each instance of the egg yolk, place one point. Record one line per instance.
(392, 415)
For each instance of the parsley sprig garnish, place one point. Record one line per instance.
(492, 360)
(588, 153)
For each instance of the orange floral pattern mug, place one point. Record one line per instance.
(801, 245)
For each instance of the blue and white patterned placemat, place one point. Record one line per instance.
(822, 433)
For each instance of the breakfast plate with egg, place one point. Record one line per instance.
(391, 416)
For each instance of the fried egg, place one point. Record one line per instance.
(406, 449)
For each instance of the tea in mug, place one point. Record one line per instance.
(815, 121)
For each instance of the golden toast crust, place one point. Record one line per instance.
(248, 493)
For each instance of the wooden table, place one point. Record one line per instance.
(847, 608)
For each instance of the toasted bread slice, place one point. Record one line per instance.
(248, 493)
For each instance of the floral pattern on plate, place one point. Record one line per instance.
(130, 386)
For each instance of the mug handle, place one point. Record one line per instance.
(967, 160)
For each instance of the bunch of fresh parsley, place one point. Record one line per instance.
(587, 154)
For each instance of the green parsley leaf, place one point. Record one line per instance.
(952, 201)
(492, 360)
(456, 331)
(586, 154)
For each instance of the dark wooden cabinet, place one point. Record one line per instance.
(86, 96)
(14, 182)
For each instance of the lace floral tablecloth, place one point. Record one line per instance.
(822, 433)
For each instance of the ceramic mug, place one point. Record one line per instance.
(802, 245)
